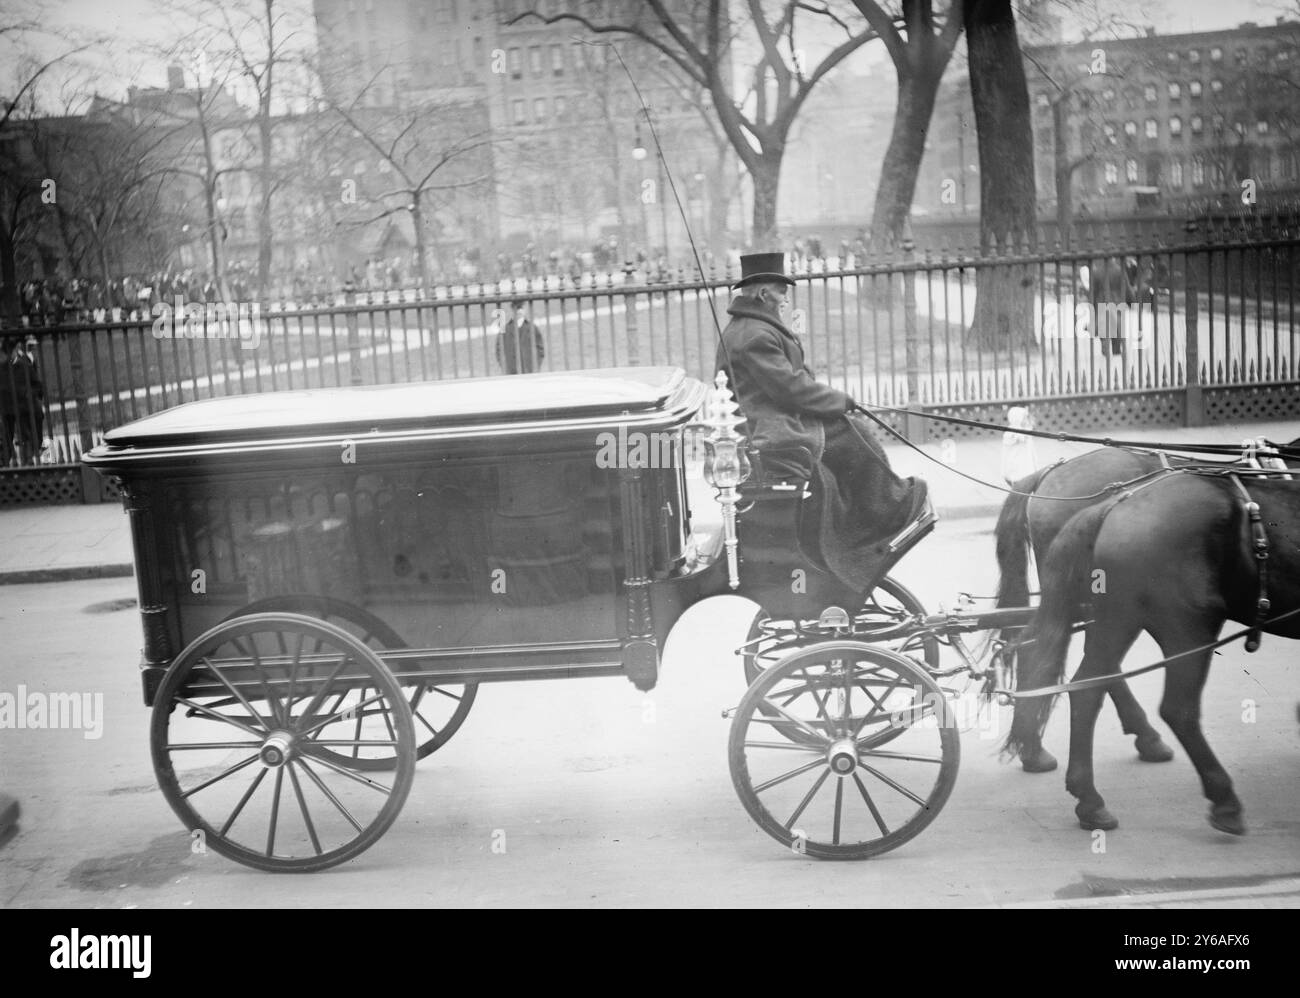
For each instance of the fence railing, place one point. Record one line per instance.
(911, 331)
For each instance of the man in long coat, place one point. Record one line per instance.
(860, 502)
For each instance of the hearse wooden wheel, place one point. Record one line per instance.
(876, 760)
(252, 756)
(439, 711)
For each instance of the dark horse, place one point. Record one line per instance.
(1032, 523)
(1027, 523)
(1176, 561)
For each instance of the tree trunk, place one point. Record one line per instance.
(766, 178)
(11, 307)
(421, 254)
(264, 131)
(264, 213)
(1064, 174)
(1000, 95)
(916, 94)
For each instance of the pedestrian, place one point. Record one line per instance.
(22, 401)
(520, 347)
(1018, 458)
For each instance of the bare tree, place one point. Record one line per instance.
(21, 187)
(253, 41)
(425, 162)
(701, 44)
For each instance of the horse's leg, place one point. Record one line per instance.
(1105, 646)
(1181, 709)
(1150, 746)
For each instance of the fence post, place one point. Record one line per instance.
(629, 303)
(1193, 393)
(915, 424)
(354, 337)
(91, 485)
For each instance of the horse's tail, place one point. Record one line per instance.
(1012, 535)
(1064, 578)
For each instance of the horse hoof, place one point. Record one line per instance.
(1098, 819)
(1228, 821)
(1041, 761)
(1154, 750)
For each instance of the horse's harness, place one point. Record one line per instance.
(1254, 464)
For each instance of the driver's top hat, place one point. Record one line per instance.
(760, 267)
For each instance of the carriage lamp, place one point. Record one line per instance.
(726, 464)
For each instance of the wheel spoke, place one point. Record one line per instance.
(364, 781)
(257, 782)
(877, 754)
(784, 746)
(321, 693)
(895, 785)
(320, 785)
(839, 808)
(302, 806)
(221, 776)
(207, 663)
(450, 696)
(421, 718)
(807, 798)
(275, 812)
(331, 719)
(871, 805)
(790, 775)
(876, 709)
(192, 746)
(798, 722)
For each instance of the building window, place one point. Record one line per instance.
(1194, 88)
(579, 56)
(1043, 99)
(1239, 127)
(535, 60)
(521, 111)
(1261, 127)
(1216, 54)
(1131, 129)
(1194, 56)
(1198, 173)
(1112, 174)
(539, 109)
(1109, 131)
(1152, 129)
(557, 60)
(1216, 86)
(1176, 174)
(1175, 126)
(1241, 57)
(1149, 92)
(516, 64)
(1216, 123)
(561, 104)
(1131, 170)
(1175, 91)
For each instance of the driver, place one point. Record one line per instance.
(801, 429)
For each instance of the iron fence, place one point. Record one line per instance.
(1216, 310)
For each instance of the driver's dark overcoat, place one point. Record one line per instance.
(860, 501)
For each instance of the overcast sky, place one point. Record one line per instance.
(134, 31)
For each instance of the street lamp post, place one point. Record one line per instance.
(639, 154)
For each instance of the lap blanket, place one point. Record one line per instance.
(858, 503)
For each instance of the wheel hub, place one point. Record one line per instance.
(842, 757)
(276, 750)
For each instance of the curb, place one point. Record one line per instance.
(29, 576)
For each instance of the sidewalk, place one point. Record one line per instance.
(54, 543)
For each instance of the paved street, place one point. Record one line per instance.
(595, 794)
